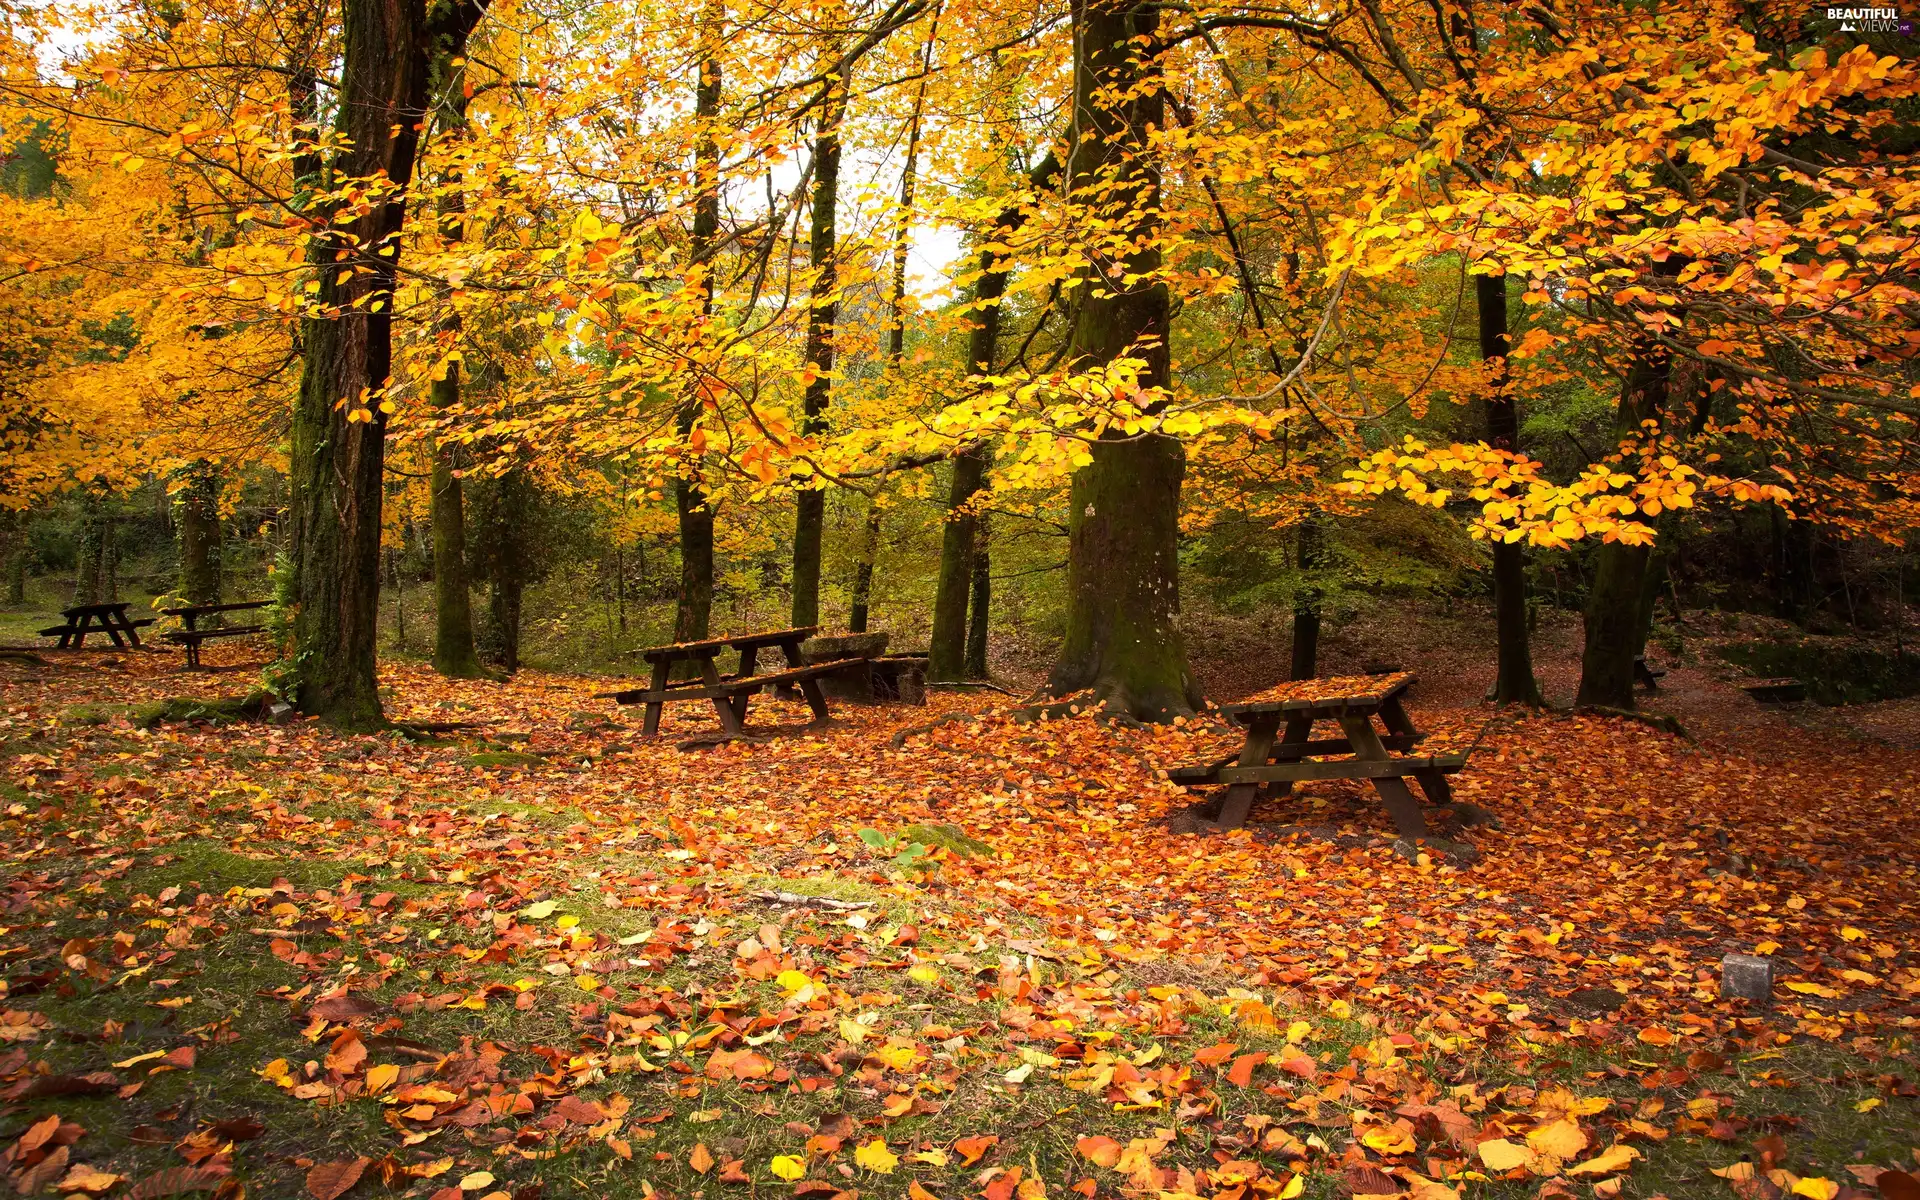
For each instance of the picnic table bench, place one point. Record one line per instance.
(1277, 757)
(192, 635)
(110, 619)
(730, 694)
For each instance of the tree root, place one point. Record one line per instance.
(1663, 723)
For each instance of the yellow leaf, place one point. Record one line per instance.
(1502, 1155)
(1867, 1105)
(1851, 934)
(381, 1077)
(875, 1156)
(1294, 1187)
(789, 1166)
(540, 911)
(587, 983)
(1298, 1032)
(1816, 1188)
(792, 981)
(1615, 1158)
(1388, 1139)
(476, 1181)
(1562, 1139)
(922, 973)
(1812, 989)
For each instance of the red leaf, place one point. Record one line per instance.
(330, 1180)
(972, 1149)
(344, 1008)
(1897, 1185)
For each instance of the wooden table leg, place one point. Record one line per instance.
(1394, 716)
(730, 720)
(1394, 793)
(651, 725)
(1259, 745)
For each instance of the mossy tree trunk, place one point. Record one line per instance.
(823, 313)
(980, 603)
(506, 552)
(1514, 681)
(338, 437)
(93, 574)
(197, 511)
(1123, 640)
(693, 607)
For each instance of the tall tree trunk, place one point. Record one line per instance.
(1123, 638)
(897, 331)
(197, 507)
(823, 313)
(453, 650)
(1614, 602)
(947, 656)
(863, 571)
(338, 442)
(1514, 682)
(1306, 601)
(980, 605)
(693, 611)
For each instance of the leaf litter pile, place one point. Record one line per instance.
(936, 952)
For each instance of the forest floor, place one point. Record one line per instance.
(543, 956)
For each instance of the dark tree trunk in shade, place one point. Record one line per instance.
(863, 571)
(197, 515)
(1306, 602)
(810, 505)
(1514, 681)
(1614, 602)
(693, 607)
(980, 604)
(338, 434)
(947, 651)
(1123, 639)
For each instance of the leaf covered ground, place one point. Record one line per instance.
(539, 955)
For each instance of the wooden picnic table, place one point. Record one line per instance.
(730, 694)
(192, 635)
(110, 619)
(1280, 757)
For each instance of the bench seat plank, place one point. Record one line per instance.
(1351, 768)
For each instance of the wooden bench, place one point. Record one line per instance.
(730, 694)
(1270, 757)
(110, 619)
(1775, 691)
(192, 635)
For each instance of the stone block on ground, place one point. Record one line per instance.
(845, 645)
(1747, 976)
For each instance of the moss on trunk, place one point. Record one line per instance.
(197, 509)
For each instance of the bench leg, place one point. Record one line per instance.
(731, 721)
(1394, 793)
(1393, 715)
(816, 700)
(1239, 798)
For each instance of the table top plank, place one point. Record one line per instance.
(201, 610)
(772, 637)
(1347, 692)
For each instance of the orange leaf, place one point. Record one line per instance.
(916, 1192)
(1100, 1151)
(973, 1149)
(701, 1160)
(1213, 1056)
(1241, 1075)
